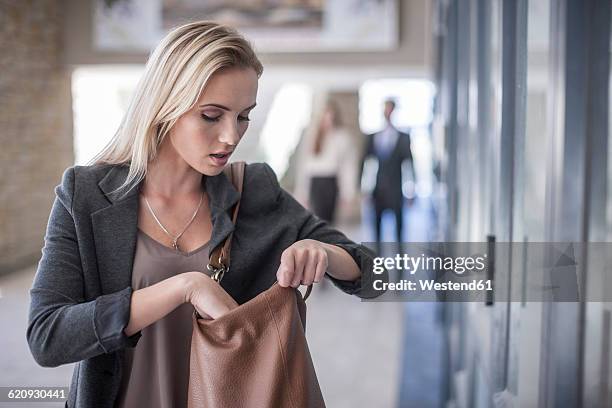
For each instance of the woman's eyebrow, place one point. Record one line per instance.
(216, 105)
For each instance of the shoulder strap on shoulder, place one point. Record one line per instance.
(219, 260)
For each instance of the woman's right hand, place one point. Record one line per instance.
(209, 299)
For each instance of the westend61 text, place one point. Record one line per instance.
(430, 284)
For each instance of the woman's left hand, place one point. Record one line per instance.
(304, 262)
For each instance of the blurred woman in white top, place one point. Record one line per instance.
(327, 167)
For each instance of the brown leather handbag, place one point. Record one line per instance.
(256, 355)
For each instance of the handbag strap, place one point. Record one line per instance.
(308, 290)
(219, 260)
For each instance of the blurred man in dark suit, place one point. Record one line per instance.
(390, 147)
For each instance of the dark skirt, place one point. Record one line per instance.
(323, 196)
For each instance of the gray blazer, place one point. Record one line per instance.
(80, 297)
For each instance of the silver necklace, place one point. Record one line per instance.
(175, 239)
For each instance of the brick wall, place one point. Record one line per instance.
(35, 125)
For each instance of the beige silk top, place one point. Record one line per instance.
(156, 371)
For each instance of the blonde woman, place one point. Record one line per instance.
(128, 238)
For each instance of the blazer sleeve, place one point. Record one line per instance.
(312, 227)
(62, 326)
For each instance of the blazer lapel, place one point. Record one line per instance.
(114, 229)
(115, 226)
(222, 196)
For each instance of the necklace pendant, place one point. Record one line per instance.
(175, 245)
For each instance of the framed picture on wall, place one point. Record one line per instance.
(271, 25)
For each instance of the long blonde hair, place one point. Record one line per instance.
(175, 75)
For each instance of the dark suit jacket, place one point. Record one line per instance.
(80, 298)
(388, 190)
